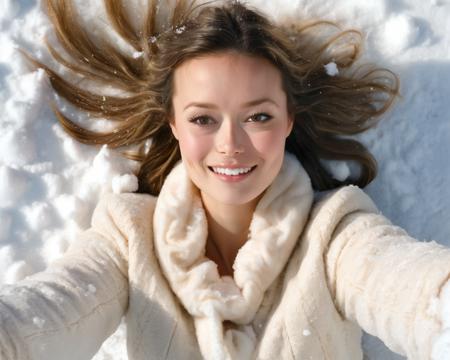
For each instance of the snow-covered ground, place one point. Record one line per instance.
(49, 184)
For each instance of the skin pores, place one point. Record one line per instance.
(218, 124)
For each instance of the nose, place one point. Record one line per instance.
(230, 138)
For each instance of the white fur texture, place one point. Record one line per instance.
(180, 228)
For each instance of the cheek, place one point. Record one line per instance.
(269, 143)
(193, 148)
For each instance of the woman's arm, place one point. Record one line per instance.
(68, 310)
(388, 282)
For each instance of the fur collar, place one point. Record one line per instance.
(180, 228)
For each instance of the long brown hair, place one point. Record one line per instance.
(326, 107)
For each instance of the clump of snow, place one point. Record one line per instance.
(17, 271)
(8, 10)
(13, 186)
(17, 146)
(38, 322)
(180, 29)
(331, 69)
(399, 33)
(70, 207)
(8, 46)
(53, 184)
(71, 147)
(137, 54)
(110, 171)
(306, 332)
(27, 88)
(7, 255)
(338, 169)
(37, 215)
(5, 225)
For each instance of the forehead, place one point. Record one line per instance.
(235, 75)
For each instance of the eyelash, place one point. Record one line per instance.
(195, 118)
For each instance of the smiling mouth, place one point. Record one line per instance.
(231, 172)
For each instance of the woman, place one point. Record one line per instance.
(223, 254)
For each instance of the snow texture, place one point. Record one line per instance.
(49, 183)
(331, 69)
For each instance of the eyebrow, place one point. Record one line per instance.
(247, 104)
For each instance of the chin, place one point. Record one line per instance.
(238, 199)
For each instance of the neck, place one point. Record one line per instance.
(228, 227)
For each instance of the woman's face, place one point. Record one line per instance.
(231, 122)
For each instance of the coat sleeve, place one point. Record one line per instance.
(68, 310)
(387, 282)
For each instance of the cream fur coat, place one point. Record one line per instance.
(308, 278)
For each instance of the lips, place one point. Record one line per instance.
(232, 170)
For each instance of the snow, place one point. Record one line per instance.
(331, 69)
(137, 54)
(180, 30)
(406, 29)
(92, 289)
(49, 183)
(339, 169)
(11, 179)
(38, 322)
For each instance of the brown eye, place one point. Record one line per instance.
(201, 120)
(260, 117)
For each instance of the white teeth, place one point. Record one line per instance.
(226, 171)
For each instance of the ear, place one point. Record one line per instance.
(290, 124)
(173, 127)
